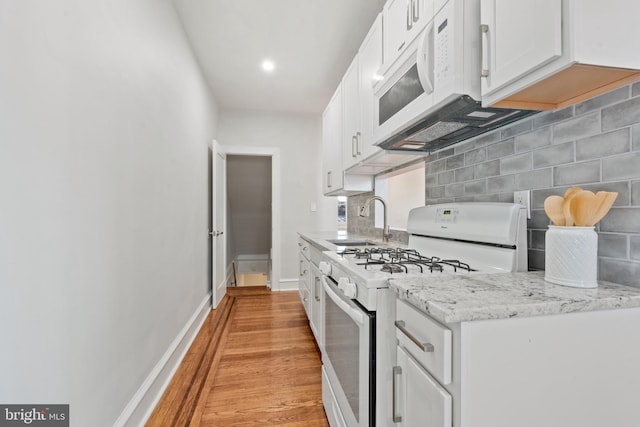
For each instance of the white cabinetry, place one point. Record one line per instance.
(335, 181)
(551, 53)
(403, 21)
(304, 274)
(315, 298)
(574, 369)
(357, 92)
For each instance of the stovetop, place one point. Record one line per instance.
(401, 260)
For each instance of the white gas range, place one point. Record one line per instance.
(446, 239)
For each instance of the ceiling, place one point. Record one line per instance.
(312, 42)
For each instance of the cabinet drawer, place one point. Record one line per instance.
(305, 247)
(425, 339)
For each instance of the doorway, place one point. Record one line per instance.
(249, 218)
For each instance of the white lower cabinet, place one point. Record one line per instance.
(420, 400)
(315, 299)
(330, 402)
(563, 370)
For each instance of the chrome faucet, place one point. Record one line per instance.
(385, 230)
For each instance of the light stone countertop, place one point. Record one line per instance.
(462, 298)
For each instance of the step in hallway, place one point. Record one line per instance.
(253, 363)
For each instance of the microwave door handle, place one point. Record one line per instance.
(424, 59)
(356, 315)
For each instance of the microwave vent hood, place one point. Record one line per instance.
(461, 119)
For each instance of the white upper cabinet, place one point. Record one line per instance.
(549, 54)
(332, 143)
(403, 21)
(334, 181)
(357, 92)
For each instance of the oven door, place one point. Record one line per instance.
(348, 356)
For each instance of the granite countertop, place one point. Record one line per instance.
(462, 298)
(324, 239)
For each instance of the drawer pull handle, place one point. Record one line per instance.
(397, 370)
(426, 347)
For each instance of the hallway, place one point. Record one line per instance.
(254, 363)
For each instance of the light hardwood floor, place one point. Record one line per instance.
(254, 363)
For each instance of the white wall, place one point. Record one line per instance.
(298, 137)
(104, 124)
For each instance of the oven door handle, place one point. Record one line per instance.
(355, 314)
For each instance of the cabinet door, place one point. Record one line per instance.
(420, 400)
(370, 61)
(303, 282)
(518, 36)
(332, 144)
(395, 15)
(350, 115)
(315, 297)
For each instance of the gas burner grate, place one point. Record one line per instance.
(399, 260)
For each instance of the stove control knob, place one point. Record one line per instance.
(348, 288)
(325, 268)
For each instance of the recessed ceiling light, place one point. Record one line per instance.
(268, 65)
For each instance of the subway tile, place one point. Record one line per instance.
(533, 140)
(539, 220)
(464, 147)
(516, 129)
(500, 149)
(612, 245)
(436, 192)
(621, 220)
(602, 100)
(539, 178)
(453, 190)
(635, 89)
(621, 167)
(635, 247)
(537, 239)
(464, 174)
(431, 180)
(620, 187)
(445, 153)
(464, 199)
(437, 166)
(635, 193)
(487, 169)
(505, 197)
(475, 187)
(549, 117)
(445, 177)
(486, 198)
(536, 259)
(623, 114)
(455, 162)
(475, 156)
(516, 164)
(554, 155)
(606, 144)
(500, 184)
(635, 138)
(619, 271)
(578, 173)
(578, 127)
(487, 138)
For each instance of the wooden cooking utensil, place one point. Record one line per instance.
(568, 195)
(553, 207)
(604, 201)
(583, 207)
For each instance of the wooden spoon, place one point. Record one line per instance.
(583, 207)
(568, 195)
(553, 207)
(605, 200)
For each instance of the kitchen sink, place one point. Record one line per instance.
(354, 242)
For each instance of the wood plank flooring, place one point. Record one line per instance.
(260, 367)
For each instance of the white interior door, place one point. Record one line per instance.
(219, 245)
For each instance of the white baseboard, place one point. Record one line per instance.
(144, 401)
(286, 285)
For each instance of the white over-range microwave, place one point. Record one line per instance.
(428, 98)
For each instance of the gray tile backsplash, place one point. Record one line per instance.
(594, 144)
